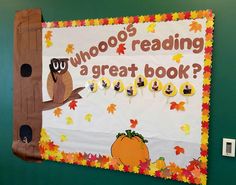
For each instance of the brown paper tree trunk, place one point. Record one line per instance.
(27, 84)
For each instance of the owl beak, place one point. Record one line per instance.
(59, 71)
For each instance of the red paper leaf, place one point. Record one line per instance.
(169, 17)
(173, 105)
(186, 173)
(133, 123)
(73, 104)
(92, 157)
(179, 150)
(121, 49)
(144, 165)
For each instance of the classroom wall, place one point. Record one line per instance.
(14, 171)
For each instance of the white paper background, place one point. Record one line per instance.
(157, 123)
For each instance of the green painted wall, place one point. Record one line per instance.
(222, 170)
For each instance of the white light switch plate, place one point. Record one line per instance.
(228, 148)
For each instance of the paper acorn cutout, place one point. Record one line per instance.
(169, 90)
(187, 89)
(92, 86)
(118, 86)
(155, 85)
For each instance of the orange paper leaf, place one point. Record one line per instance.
(196, 172)
(195, 26)
(177, 106)
(70, 48)
(111, 108)
(48, 35)
(57, 112)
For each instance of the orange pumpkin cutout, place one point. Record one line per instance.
(130, 149)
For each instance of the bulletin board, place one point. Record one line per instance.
(129, 93)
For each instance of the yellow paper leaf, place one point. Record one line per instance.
(135, 169)
(208, 62)
(206, 100)
(96, 22)
(210, 23)
(106, 166)
(158, 18)
(44, 136)
(48, 43)
(204, 139)
(203, 179)
(152, 169)
(63, 138)
(208, 43)
(141, 19)
(126, 20)
(185, 128)
(203, 159)
(121, 167)
(110, 21)
(69, 120)
(88, 117)
(193, 14)
(206, 81)
(87, 22)
(151, 28)
(74, 23)
(97, 164)
(185, 179)
(84, 162)
(177, 58)
(61, 24)
(175, 16)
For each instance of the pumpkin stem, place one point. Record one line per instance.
(130, 134)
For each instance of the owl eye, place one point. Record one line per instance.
(55, 65)
(62, 65)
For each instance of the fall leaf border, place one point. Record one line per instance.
(190, 15)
